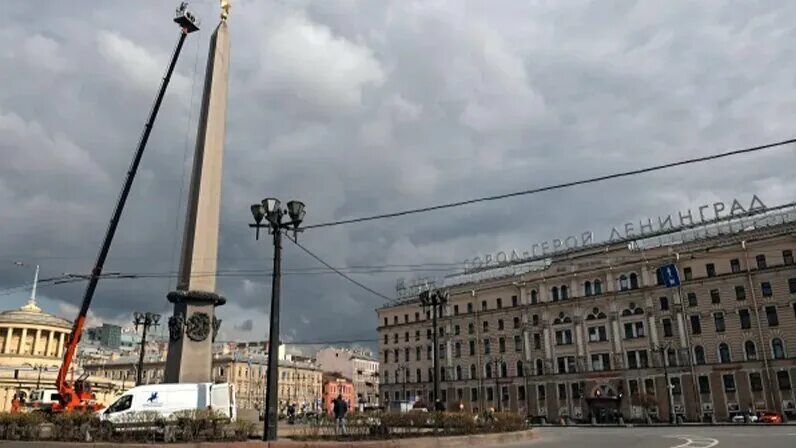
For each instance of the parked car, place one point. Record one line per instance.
(166, 399)
(741, 418)
(770, 417)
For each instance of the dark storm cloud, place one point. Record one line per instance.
(366, 107)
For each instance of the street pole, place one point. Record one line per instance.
(436, 346)
(38, 379)
(140, 377)
(662, 349)
(271, 414)
(497, 383)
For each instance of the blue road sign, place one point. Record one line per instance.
(670, 276)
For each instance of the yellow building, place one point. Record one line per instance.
(31, 347)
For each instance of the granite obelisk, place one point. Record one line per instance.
(193, 326)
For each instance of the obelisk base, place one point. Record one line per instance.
(192, 329)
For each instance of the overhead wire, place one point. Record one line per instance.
(555, 186)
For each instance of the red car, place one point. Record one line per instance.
(770, 417)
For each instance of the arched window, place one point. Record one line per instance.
(751, 351)
(633, 281)
(472, 371)
(554, 293)
(504, 371)
(564, 292)
(587, 288)
(539, 367)
(724, 353)
(598, 287)
(534, 297)
(623, 286)
(699, 355)
(520, 369)
(777, 348)
(418, 376)
(459, 373)
(488, 369)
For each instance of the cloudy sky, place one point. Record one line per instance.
(364, 107)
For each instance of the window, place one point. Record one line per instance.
(704, 385)
(718, 320)
(122, 404)
(761, 261)
(417, 335)
(472, 347)
(692, 299)
(755, 381)
(677, 388)
(729, 382)
(470, 328)
(539, 367)
(521, 393)
(417, 353)
(457, 350)
(664, 303)
(469, 307)
(564, 292)
(504, 370)
(395, 320)
(541, 392)
(517, 343)
(428, 352)
(633, 386)
(395, 355)
(634, 330)
(562, 391)
(406, 354)
(649, 386)
(740, 293)
(715, 297)
(699, 355)
(600, 361)
(456, 330)
(520, 369)
(771, 316)
(667, 328)
(792, 285)
(483, 305)
(765, 287)
(777, 348)
(598, 287)
(745, 318)
(597, 334)
(441, 331)
(499, 303)
(633, 281)
(587, 291)
(687, 274)
(417, 317)
(455, 310)
(783, 380)
(386, 322)
(386, 377)
(623, 284)
(710, 268)
(564, 337)
(735, 266)
(442, 351)
(486, 346)
(486, 327)
(500, 325)
(724, 353)
(472, 371)
(488, 370)
(537, 341)
(696, 326)
(406, 336)
(459, 373)
(428, 334)
(637, 359)
(566, 364)
(787, 257)
(395, 338)
(535, 319)
(473, 394)
(750, 350)
(386, 339)
(534, 297)
(554, 293)
(514, 301)
(516, 322)
(502, 345)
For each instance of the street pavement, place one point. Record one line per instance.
(745, 436)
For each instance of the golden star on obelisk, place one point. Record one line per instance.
(225, 6)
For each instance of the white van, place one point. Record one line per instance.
(166, 399)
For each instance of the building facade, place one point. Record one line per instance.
(299, 383)
(593, 333)
(362, 368)
(335, 385)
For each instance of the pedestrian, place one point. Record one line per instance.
(438, 406)
(340, 408)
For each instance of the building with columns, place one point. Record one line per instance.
(592, 333)
(31, 349)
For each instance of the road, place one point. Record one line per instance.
(676, 437)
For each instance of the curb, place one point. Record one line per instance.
(418, 442)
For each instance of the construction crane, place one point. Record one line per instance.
(77, 395)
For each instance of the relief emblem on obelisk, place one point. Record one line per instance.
(193, 325)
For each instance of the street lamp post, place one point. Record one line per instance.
(146, 320)
(434, 299)
(40, 368)
(271, 210)
(663, 349)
